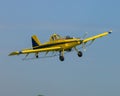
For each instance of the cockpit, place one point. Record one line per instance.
(55, 37)
(58, 37)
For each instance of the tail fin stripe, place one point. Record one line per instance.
(35, 41)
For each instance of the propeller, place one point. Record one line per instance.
(83, 44)
(86, 33)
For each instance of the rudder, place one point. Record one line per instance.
(35, 41)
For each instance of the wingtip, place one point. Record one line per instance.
(110, 31)
(13, 53)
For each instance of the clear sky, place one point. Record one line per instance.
(97, 73)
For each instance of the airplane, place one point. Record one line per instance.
(58, 44)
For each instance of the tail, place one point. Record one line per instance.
(35, 41)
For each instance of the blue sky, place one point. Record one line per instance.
(95, 74)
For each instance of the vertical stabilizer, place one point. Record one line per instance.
(35, 41)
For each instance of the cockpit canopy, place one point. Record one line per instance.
(55, 37)
(58, 37)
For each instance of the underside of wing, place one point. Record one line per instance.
(28, 51)
(41, 50)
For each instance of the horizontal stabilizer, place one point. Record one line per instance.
(14, 53)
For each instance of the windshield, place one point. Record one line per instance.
(55, 37)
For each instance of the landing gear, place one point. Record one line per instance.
(36, 55)
(61, 57)
(80, 54)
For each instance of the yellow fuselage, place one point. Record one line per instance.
(65, 44)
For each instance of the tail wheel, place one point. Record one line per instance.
(36, 55)
(61, 58)
(80, 54)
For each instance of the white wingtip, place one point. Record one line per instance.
(110, 31)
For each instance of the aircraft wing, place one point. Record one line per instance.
(96, 36)
(28, 51)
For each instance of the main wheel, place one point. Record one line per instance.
(37, 56)
(61, 58)
(80, 54)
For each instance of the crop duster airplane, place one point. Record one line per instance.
(58, 44)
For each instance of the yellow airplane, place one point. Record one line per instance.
(58, 44)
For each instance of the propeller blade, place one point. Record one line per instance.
(84, 46)
(85, 35)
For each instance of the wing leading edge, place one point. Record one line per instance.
(96, 36)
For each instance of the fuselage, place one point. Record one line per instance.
(65, 44)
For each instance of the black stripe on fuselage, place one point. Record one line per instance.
(51, 45)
